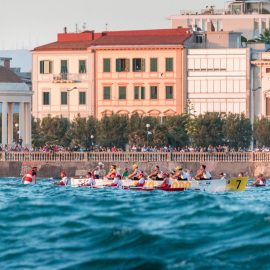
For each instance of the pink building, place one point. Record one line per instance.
(140, 72)
(120, 72)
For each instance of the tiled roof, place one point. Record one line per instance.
(114, 38)
(7, 76)
(144, 37)
(72, 45)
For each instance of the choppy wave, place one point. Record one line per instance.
(48, 227)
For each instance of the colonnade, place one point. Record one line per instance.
(25, 128)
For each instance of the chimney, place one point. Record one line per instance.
(7, 63)
(210, 27)
(65, 30)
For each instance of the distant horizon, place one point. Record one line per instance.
(40, 21)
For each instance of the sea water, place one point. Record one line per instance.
(48, 227)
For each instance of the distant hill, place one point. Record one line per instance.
(20, 58)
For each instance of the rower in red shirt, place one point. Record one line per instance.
(30, 177)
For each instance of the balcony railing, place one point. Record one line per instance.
(66, 78)
(238, 157)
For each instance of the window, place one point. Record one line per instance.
(169, 92)
(64, 100)
(199, 39)
(267, 70)
(153, 64)
(82, 66)
(122, 65)
(106, 92)
(139, 92)
(138, 64)
(45, 67)
(64, 66)
(153, 92)
(169, 64)
(122, 92)
(106, 65)
(82, 98)
(46, 98)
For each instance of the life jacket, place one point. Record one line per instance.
(29, 176)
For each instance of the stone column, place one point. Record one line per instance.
(4, 123)
(22, 123)
(10, 123)
(28, 125)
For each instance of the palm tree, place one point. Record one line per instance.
(263, 38)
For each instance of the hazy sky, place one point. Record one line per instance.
(25, 24)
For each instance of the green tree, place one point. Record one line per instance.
(113, 131)
(176, 130)
(263, 38)
(206, 129)
(261, 132)
(237, 131)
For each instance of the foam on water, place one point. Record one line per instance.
(49, 227)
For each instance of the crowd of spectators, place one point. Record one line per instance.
(134, 148)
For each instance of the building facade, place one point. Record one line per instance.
(218, 80)
(62, 78)
(140, 72)
(248, 17)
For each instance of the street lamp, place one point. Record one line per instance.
(17, 132)
(68, 97)
(92, 143)
(147, 132)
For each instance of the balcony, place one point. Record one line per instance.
(67, 78)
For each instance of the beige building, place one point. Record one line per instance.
(248, 17)
(63, 77)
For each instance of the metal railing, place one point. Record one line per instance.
(66, 77)
(137, 156)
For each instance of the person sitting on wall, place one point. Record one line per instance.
(260, 181)
(202, 174)
(112, 173)
(135, 173)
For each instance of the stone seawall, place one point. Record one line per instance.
(52, 169)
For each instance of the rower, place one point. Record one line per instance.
(125, 173)
(30, 176)
(222, 176)
(112, 173)
(141, 181)
(135, 173)
(64, 179)
(260, 181)
(202, 174)
(179, 174)
(90, 181)
(117, 181)
(167, 182)
(156, 174)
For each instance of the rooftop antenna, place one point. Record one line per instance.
(84, 26)
(106, 27)
(76, 28)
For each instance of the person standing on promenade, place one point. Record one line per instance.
(30, 177)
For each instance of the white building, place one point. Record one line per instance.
(218, 80)
(249, 17)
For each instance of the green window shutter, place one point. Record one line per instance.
(127, 65)
(64, 67)
(153, 92)
(64, 100)
(107, 65)
(82, 66)
(136, 92)
(153, 65)
(143, 65)
(169, 92)
(41, 67)
(142, 92)
(122, 92)
(106, 92)
(46, 98)
(118, 65)
(169, 64)
(82, 98)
